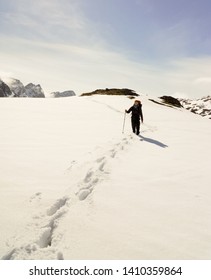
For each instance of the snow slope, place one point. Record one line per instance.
(200, 106)
(73, 186)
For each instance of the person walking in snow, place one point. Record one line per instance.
(136, 110)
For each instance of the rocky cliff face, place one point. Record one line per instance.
(14, 88)
(4, 90)
(32, 90)
(17, 88)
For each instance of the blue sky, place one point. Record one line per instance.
(155, 47)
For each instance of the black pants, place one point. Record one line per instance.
(135, 122)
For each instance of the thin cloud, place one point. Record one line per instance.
(76, 67)
(47, 19)
(58, 44)
(82, 69)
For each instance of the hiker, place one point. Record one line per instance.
(136, 110)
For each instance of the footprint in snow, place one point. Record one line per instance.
(35, 197)
(100, 159)
(83, 194)
(113, 153)
(57, 205)
(88, 176)
(102, 165)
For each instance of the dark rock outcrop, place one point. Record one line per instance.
(4, 90)
(112, 91)
(171, 101)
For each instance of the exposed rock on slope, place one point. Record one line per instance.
(112, 91)
(167, 101)
(199, 106)
(171, 101)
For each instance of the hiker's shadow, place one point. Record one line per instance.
(153, 141)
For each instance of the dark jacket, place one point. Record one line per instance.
(136, 112)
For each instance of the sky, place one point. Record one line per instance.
(154, 47)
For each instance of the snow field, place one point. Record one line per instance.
(74, 187)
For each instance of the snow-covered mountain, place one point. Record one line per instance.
(17, 89)
(11, 87)
(200, 106)
(77, 184)
(66, 93)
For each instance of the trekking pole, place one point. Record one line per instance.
(123, 123)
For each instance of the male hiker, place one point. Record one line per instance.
(136, 110)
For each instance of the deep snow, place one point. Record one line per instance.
(73, 186)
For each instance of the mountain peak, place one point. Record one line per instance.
(11, 87)
(16, 87)
(33, 90)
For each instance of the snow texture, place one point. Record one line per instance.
(73, 186)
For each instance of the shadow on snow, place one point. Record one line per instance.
(152, 141)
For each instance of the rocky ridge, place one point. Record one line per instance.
(112, 91)
(14, 88)
(200, 106)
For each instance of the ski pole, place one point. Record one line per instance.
(123, 123)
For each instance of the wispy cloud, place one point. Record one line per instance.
(82, 69)
(49, 19)
(58, 43)
(61, 66)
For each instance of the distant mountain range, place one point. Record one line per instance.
(14, 88)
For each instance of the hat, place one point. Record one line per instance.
(138, 101)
